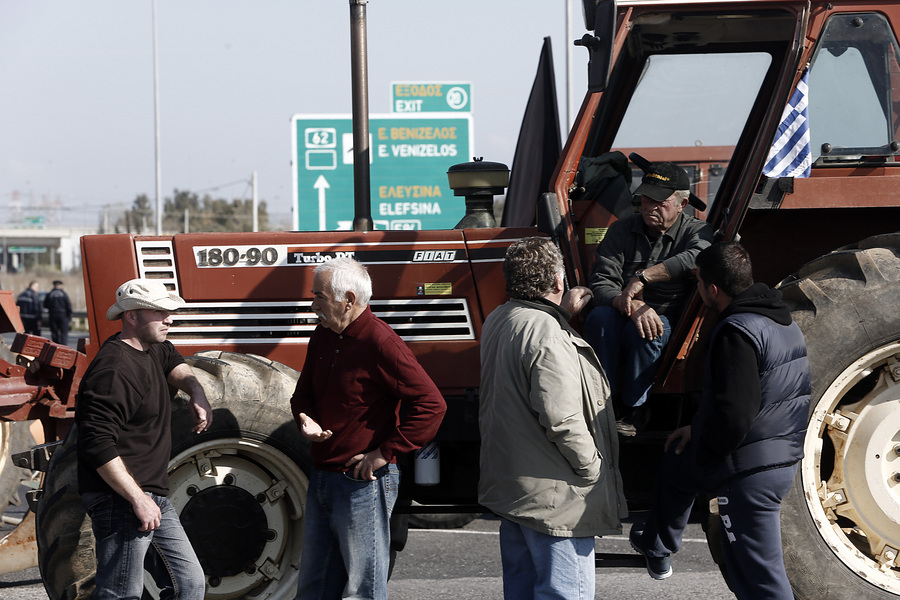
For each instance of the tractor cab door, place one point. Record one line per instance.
(699, 86)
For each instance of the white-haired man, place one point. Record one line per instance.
(357, 374)
(124, 443)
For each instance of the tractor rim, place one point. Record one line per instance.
(851, 469)
(244, 501)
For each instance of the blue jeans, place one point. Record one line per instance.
(347, 535)
(121, 550)
(541, 566)
(630, 361)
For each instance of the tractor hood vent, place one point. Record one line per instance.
(294, 322)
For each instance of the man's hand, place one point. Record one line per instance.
(363, 466)
(647, 321)
(182, 377)
(681, 437)
(576, 299)
(147, 512)
(120, 479)
(312, 430)
(202, 410)
(624, 302)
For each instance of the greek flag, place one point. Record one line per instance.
(791, 154)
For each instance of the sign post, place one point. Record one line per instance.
(410, 155)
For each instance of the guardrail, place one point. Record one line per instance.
(79, 320)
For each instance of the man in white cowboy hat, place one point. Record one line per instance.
(124, 442)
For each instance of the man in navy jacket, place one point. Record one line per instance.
(746, 439)
(30, 309)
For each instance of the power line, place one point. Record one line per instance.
(221, 185)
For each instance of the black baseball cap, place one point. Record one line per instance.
(661, 179)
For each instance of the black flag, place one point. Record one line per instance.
(537, 149)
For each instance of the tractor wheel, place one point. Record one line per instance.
(65, 541)
(839, 522)
(239, 488)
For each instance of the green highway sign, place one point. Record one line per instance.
(413, 97)
(409, 155)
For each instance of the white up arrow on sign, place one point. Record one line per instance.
(321, 184)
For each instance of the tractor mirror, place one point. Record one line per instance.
(599, 16)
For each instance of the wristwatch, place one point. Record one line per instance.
(640, 275)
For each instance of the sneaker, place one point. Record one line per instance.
(625, 428)
(658, 567)
(640, 416)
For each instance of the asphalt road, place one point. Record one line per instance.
(465, 563)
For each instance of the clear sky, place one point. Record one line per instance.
(76, 107)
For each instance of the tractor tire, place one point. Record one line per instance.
(839, 522)
(239, 488)
(64, 537)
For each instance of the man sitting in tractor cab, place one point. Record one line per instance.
(641, 279)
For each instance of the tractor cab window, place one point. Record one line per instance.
(854, 89)
(690, 109)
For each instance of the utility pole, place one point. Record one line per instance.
(362, 220)
(156, 127)
(569, 44)
(255, 205)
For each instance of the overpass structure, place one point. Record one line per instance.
(62, 244)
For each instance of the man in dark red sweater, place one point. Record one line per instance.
(357, 374)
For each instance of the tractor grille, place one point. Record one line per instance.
(156, 260)
(207, 323)
(293, 322)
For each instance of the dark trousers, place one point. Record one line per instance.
(32, 326)
(59, 329)
(750, 509)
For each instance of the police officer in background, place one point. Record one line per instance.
(30, 309)
(59, 306)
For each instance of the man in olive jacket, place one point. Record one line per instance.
(549, 449)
